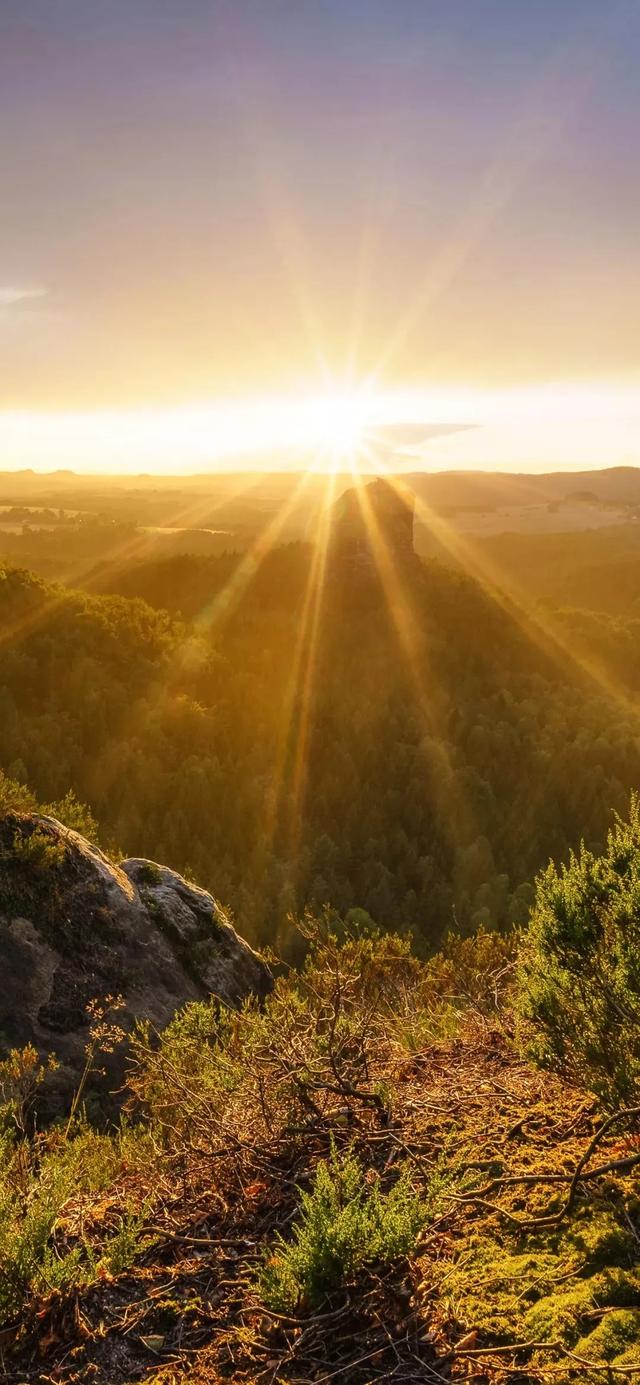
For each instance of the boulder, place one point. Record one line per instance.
(75, 927)
(199, 931)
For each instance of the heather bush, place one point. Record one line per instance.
(346, 1221)
(579, 966)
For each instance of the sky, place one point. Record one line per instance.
(234, 227)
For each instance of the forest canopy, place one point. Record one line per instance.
(285, 766)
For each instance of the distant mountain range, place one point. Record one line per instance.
(619, 484)
(492, 489)
(210, 514)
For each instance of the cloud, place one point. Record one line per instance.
(409, 438)
(12, 294)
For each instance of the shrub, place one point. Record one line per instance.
(579, 968)
(38, 1178)
(120, 1251)
(21, 1074)
(14, 797)
(17, 798)
(27, 1217)
(74, 814)
(311, 1049)
(472, 971)
(38, 852)
(346, 1221)
(467, 976)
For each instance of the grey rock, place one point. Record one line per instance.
(75, 927)
(201, 932)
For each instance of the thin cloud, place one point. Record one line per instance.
(13, 294)
(409, 438)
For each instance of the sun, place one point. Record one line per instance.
(338, 425)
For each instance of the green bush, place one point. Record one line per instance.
(579, 968)
(346, 1221)
(37, 1179)
(38, 852)
(27, 1218)
(74, 814)
(21, 1075)
(15, 797)
(120, 1251)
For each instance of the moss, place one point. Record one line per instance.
(149, 873)
(559, 1314)
(615, 1339)
(204, 951)
(600, 1237)
(548, 1288)
(556, 1315)
(490, 1287)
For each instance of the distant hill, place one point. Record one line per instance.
(491, 490)
(64, 526)
(226, 499)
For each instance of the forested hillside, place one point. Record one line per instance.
(417, 753)
(594, 569)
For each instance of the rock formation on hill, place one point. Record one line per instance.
(372, 524)
(74, 927)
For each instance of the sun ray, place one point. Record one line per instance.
(280, 816)
(20, 627)
(541, 631)
(308, 669)
(223, 602)
(217, 609)
(459, 823)
(142, 545)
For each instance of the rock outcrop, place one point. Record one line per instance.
(371, 525)
(74, 927)
(199, 932)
